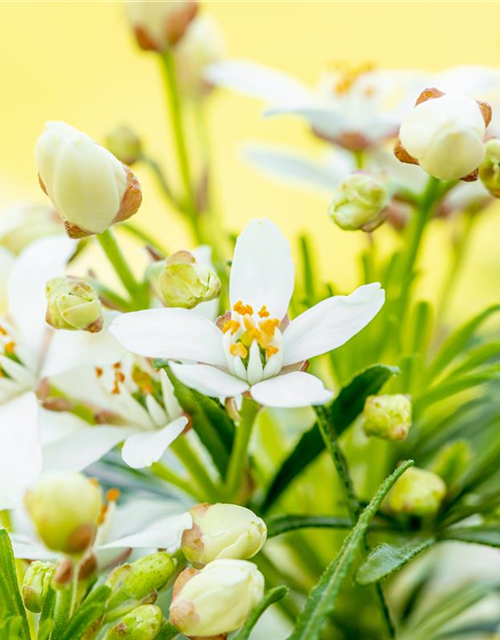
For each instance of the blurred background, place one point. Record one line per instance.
(78, 62)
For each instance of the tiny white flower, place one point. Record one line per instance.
(254, 349)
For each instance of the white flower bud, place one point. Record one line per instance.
(217, 599)
(417, 492)
(65, 509)
(489, 170)
(359, 202)
(445, 135)
(160, 25)
(223, 531)
(88, 186)
(202, 45)
(181, 281)
(73, 304)
(125, 144)
(22, 224)
(387, 416)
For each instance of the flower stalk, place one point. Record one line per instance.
(239, 454)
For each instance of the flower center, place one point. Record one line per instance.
(252, 343)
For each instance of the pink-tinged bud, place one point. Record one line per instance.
(88, 186)
(216, 600)
(158, 25)
(223, 531)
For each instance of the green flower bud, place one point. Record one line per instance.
(73, 304)
(142, 623)
(360, 202)
(139, 579)
(124, 144)
(387, 416)
(65, 509)
(223, 531)
(181, 281)
(216, 600)
(36, 585)
(417, 493)
(489, 169)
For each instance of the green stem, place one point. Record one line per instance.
(199, 474)
(145, 237)
(162, 182)
(160, 470)
(237, 462)
(61, 612)
(114, 254)
(331, 441)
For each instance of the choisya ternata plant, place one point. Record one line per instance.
(230, 392)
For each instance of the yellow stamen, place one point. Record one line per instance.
(98, 372)
(3, 332)
(264, 313)
(231, 325)
(117, 365)
(249, 323)
(142, 380)
(268, 326)
(102, 515)
(238, 349)
(113, 494)
(9, 347)
(270, 351)
(243, 309)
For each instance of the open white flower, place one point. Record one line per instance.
(254, 349)
(353, 107)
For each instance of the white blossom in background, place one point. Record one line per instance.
(254, 347)
(22, 224)
(159, 25)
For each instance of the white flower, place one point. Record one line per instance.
(159, 25)
(22, 224)
(89, 187)
(255, 349)
(355, 108)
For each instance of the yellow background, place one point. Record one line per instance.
(77, 61)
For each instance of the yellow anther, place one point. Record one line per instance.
(238, 349)
(249, 323)
(268, 326)
(350, 74)
(231, 325)
(117, 365)
(98, 371)
(3, 332)
(113, 494)
(263, 313)
(270, 351)
(243, 309)
(10, 347)
(142, 380)
(102, 515)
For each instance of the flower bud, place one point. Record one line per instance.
(142, 623)
(223, 531)
(445, 135)
(217, 599)
(201, 46)
(489, 169)
(89, 187)
(181, 281)
(36, 585)
(387, 416)
(22, 224)
(360, 202)
(65, 509)
(124, 144)
(417, 493)
(139, 579)
(73, 304)
(158, 26)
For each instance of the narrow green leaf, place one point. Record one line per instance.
(344, 409)
(272, 596)
(211, 423)
(10, 595)
(278, 525)
(476, 357)
(487, 534)
(168, 632)
(321, 599)
(387, 559)
(87, 614)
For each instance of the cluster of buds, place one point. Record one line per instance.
(444, 134)
(387, 416)
(360, 202)
(182, 281)
(88, 186)
(417, 493)
(73, 304)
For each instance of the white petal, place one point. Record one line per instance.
(323, 119)
(262, 272)
(331, 323)
(170, 333)
(257, 81)
(6, 263)
(57, 425)
(164, 534)
(292, 390)
(71, 349)
(82, 448)
(40, 261)
(142, 449)
(20, 450)
(208, 380)
(26, 549)
(293, 168)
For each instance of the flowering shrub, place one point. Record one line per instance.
(226, 436)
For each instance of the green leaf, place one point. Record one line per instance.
(87, 614)
(211, 423)
(168, 632)
(278, 525)
(476, 357)
(10, 596)
(487, 534)
(344, 409)
(272, 596)
(386, 559)
(321, 599)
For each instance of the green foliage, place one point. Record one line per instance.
(12, 611)
(270, 598)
